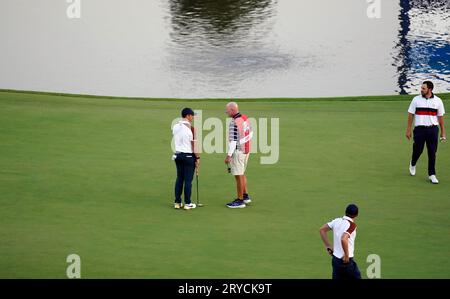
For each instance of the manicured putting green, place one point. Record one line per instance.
(94, 176)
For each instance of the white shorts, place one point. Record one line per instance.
(238, 162)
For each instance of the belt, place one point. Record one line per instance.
(335, 257)
(432, 126)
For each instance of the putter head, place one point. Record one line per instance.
(199, 205)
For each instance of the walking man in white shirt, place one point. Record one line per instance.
(427, 111)
(186, 158)
(342, 252)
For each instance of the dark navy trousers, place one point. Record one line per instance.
(430, 137)
(185, 163)
(345, 271)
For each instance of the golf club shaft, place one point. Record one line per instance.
(196, 180)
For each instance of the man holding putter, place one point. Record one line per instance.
(186, 157)
(240, 135)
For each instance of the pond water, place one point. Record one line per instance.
(225, 48)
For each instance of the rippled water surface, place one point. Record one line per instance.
(225, 48)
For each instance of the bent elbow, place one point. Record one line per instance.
(323, 230)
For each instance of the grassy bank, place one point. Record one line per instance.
(93, 176)
(443, 96)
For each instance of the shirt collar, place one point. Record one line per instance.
(348, 218)
(184, 122)
(432, 96)
(237, 115)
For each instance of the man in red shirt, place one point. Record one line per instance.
(239, 137)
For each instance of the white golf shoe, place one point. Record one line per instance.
(433, 179)
(190, 206)
(412, 169)
(247, 199)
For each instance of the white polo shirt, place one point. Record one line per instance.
(426, 111)
(183, 136)
(340, 226)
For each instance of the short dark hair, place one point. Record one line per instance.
(429, 84)
(351, 211)
(187, 111)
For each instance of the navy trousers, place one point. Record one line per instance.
(430, 137)
(345, 271)
(185, 173)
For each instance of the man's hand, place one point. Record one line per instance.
(197, 165)
(345, 259)
(227, 159)
(408, 134)
(443, 137)
(330, 251)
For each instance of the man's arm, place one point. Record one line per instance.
(344, 242)
(231, 148)
(441, 124)
(323, 234)
(195, 149)
(233, 138)
(197, 156)
(409, 125)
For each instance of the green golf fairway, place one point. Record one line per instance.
(94, 176)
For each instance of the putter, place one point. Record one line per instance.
(198, 200)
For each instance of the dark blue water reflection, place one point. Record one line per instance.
(425, 49)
